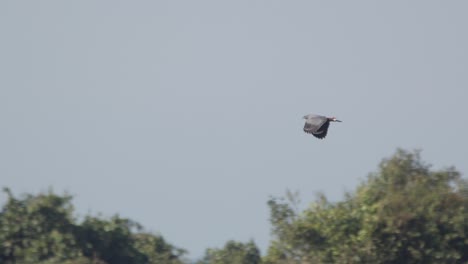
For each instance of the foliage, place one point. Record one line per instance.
(403, 213)
(41, 229)
(233, 253)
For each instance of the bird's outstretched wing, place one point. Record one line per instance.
(313, 125)
(316, 127)
(322, 132)
(309, 128)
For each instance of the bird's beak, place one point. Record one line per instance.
(336, 120)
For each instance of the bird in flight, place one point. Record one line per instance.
(317, 125)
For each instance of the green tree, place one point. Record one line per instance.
(41, 229)
(113, 241)
(37, 228)
(403, 213)
(233, 253)
(110, 240)
(157, 250)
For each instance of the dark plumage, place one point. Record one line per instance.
(317, 125)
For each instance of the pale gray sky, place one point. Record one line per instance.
(186, 115)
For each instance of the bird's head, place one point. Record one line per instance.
(333, 119)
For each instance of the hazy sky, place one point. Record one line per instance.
(187, 115)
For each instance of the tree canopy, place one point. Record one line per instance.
(233, 253)
(41, 229)
(405, 212)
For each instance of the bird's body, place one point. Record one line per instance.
(317, 125)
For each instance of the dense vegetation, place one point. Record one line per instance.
(403, 213)
(41, 230)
